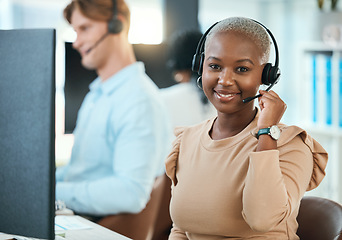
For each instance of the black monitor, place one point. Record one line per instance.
(27, 146)
(77, 78)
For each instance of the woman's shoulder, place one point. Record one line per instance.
(289, 132)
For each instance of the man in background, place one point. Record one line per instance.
(122, 134)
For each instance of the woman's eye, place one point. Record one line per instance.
(242, 69)
(214, 66)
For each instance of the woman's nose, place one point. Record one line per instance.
(226, 78)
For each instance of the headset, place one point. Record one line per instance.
(270, 74)
(114, 24)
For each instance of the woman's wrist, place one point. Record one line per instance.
(266, 142)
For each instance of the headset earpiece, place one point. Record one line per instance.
(198, 59)
(275, 73)
(270, 74)
(115, 25)
(196, 63)
(265, 78)
(200, 66)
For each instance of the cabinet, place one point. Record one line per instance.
(320, 109)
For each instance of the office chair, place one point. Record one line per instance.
(163, 223)
(138, 226)
(319, 219)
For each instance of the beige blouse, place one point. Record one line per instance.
(223, 189)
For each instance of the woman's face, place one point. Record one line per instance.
(232, 71)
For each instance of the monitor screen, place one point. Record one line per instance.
(77, 78)
(27, 149)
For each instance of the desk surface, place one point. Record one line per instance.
(95, 232)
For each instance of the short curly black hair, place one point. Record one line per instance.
(181, 49)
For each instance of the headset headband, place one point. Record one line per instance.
(276, 63)
(115, 8)
(198, 57)
(114, 24)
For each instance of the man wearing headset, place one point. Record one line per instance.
(122, 134)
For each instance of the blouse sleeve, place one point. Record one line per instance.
(320, 157)
(177, 234)
(171, 160)
(277, 179)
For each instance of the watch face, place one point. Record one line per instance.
(275, 132)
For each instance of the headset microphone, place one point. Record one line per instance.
(246, 100)
(97, 42)
(115, 26)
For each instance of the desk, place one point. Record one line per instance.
(95, 232)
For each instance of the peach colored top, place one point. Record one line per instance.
(223, 189)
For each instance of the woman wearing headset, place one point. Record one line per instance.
(242, 174)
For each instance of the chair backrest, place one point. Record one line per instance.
(138, 226)
(319, 218)
(163, 223)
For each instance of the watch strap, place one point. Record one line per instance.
(262, 131)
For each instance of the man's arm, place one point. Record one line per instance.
(139, 139)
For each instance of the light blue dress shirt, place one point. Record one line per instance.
(121, 140)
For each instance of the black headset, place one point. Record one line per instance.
(115, 24)
(270, 74)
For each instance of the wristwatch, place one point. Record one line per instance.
(273, 131)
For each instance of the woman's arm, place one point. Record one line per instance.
(276, 181)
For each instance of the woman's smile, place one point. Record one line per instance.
(225, 96)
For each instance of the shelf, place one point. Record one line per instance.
(320, 107)
(319, 46)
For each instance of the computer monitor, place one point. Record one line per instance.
(77, 78)
(27, 131)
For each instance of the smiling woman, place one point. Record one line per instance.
(247, 170)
